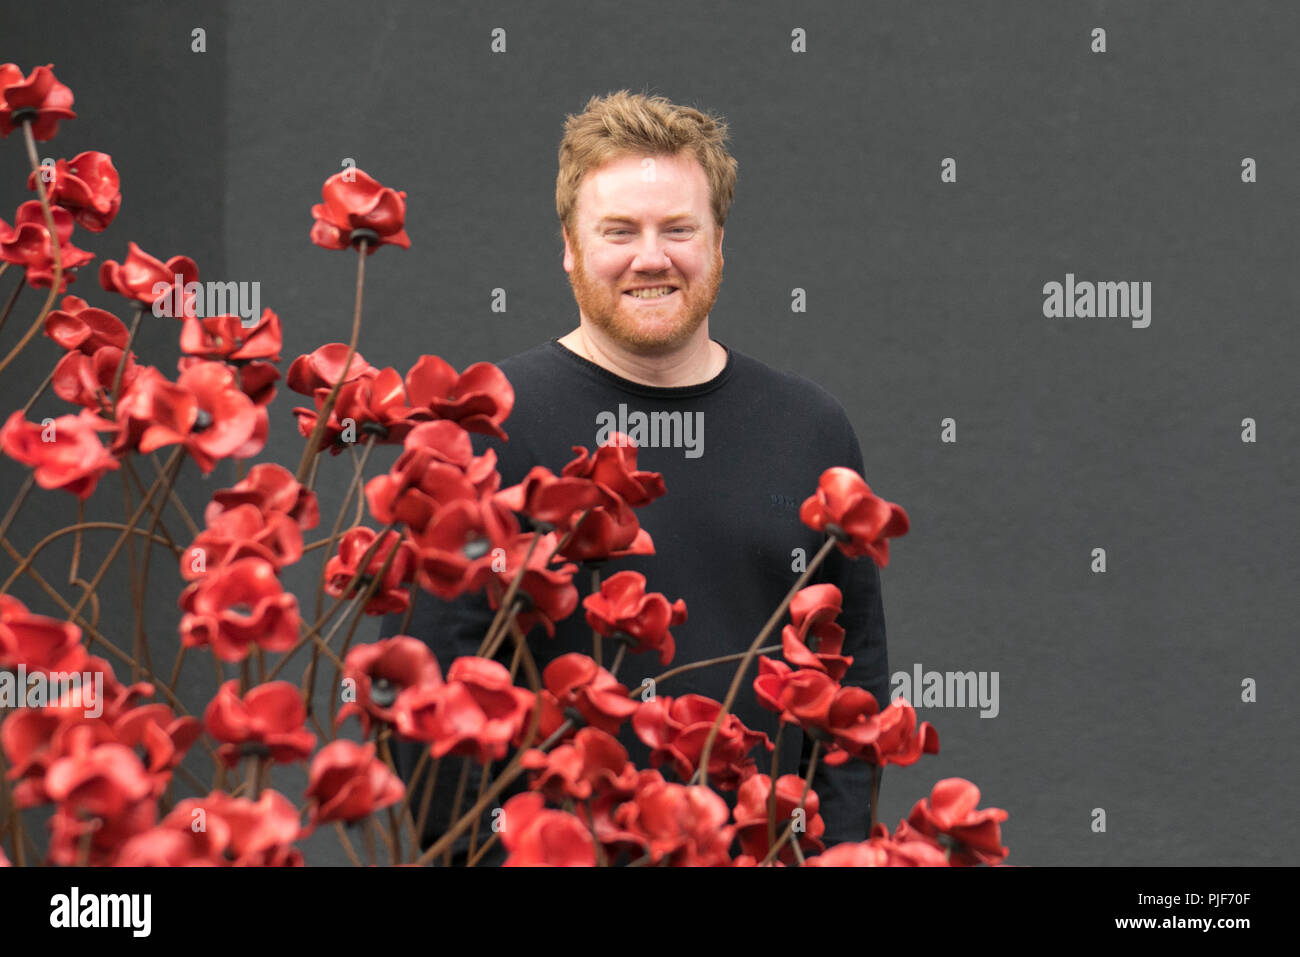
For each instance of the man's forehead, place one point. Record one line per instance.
(634, 186)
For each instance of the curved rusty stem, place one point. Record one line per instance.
(57, 281)
(174, 499)
(312, 449)
(512, 770)
(703, 772)
(358, 471)
(116, 390)
(314, 630)
(68, 530)
(789, 828)
(172, 467)
(76, 542)
(93, 634)
(16, 505)
(372, 586)
(9, 306)
(40, 390)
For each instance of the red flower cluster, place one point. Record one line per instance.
(28, 243)
(94, 340)
(392, 594)
(437, 467)
(608, 486)
(243, 531)
(381, 403)
(675, 729)
(846, 719)
(861, 522)
(547, 591)
(537, 836)
(239, 606)
(251, 350)
(271, 488)
(592, 763)
(204, 410)
(477, 712)
(676, 824)
(945, 830)
(751, 814)
(235, 600)
(235, 832)
(102, 760)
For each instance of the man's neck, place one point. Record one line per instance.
(697, 360)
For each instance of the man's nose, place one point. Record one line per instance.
(651, 254)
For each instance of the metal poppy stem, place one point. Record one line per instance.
(57, 280)
(813, 565)
(312, 449)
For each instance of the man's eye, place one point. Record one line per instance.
(675, 229)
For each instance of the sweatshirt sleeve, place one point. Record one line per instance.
(845, 791)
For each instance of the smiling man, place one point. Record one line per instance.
(643, 193)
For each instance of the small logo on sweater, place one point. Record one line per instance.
(655, 430)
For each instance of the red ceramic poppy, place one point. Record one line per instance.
(86, 185)
(380, 671)
(28, 244)
(269, 721)
(861, 522)
(478, 399)
(623, 608)
(39, 97)
(66, 453)
(238, 607)
(356, 205)
(346, 782)
(813, 639)
(138, 277)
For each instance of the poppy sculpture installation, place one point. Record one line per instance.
(90, 722)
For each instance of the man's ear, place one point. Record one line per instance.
(568, 250)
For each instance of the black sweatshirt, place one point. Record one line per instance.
(746, 450)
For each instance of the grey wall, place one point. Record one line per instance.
(1119, 691)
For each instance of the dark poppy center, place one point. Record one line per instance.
(202, 420)
(819, 734)
(383, 692)
(837, 532)
(476, 548)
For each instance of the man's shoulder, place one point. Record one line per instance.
(538, 358)
(789, 385)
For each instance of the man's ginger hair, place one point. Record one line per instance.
(626, 123)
